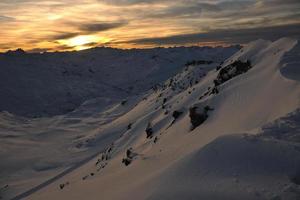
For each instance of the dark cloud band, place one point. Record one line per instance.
(226, 36)
(86, 29)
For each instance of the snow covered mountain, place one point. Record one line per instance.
(211, 131)
(111, 81)
(49, 84)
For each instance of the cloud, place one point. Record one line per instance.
(64, 48)
(86, 29)
(225, 36)
(47, 21)
(100, 26)
(39, 50)
(280, 2)
(131, 2)
(177, 11)
(193, 9)
(5, 46)
(64, 36)
(6, 18)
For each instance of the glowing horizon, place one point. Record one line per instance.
(52, 25)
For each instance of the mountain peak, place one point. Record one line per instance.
(18, 51)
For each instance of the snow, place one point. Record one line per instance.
(250, 169)
(49, 84)
(47, 145)
(247, 148)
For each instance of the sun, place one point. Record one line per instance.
(84, 41)
(81, 40)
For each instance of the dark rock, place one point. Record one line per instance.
(98, 161)
(149, 131)
(164, 100)
(206, 93)
(176, 114)
(126, 161)
(199, 62)
(198, 115)
(207, 108)
(215, 91)
(129, 153)
(123, 102)
(61, 186)
(230, 71)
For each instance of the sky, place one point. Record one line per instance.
(63, 25)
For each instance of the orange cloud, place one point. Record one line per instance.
(56, 24)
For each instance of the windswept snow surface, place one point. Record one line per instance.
(37, 148)
(246, 148)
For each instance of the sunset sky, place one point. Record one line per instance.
(50, 25)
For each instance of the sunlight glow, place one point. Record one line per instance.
(54, 17)
(81, 40)
(84, 42)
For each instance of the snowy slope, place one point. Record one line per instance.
(234, 154)
(241, 143)
(49, 84)
(43, 148)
